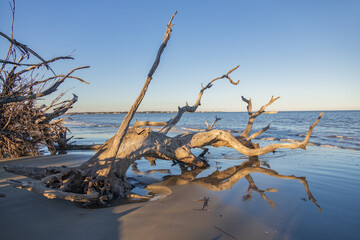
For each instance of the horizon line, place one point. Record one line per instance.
(124, 112)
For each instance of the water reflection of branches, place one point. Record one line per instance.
(222, 180)
(135, 169)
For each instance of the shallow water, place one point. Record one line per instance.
(333, 176)
(330, 210)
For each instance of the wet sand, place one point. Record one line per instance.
(26, 215)
(286, 213)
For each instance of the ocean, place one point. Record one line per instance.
(337, 129)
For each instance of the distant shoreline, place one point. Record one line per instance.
(124, 112)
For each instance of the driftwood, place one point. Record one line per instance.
(212, 125)
(103, 177)
(25, 125)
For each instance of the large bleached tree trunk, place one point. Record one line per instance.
(103, 177)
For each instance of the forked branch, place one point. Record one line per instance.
(252, 116)
(181, 110)
(25, 50)
(210, 127)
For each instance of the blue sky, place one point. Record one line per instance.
(306, 52)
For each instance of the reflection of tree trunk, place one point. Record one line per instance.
(103, 177)
(226, 179)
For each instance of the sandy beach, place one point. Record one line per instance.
(151, 134)
(26, 215)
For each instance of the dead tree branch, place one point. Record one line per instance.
(46, 92)
(254, 135)
(252, 116)
(172, 122)
(210, 127)
(219, 138)
(23, 48)
(114, 148)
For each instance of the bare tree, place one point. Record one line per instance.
(103, 177)
(24, 124)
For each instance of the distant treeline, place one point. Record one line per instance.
(84, 113)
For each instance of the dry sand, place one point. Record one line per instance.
(26, 215)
